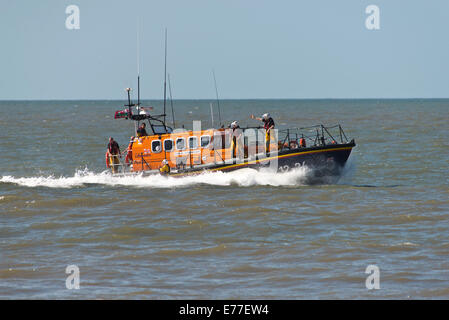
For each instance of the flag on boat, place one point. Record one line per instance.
(119, 114)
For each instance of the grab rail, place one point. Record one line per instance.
(317, 135)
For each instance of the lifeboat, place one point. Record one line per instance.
(325, 148)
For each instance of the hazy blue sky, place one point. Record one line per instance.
(258, 49)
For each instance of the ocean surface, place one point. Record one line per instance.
(238, 235)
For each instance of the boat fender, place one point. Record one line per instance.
(107, 160)
(129, 154)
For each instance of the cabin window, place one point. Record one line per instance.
(168, 145)
(193, 142)
(156, 146)
(205, 141)
(180, 143)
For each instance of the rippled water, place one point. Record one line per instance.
(244, 234)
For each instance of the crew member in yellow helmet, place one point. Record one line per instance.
(165, 168)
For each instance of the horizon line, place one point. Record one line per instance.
(229, 99)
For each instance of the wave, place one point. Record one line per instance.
(243, 177)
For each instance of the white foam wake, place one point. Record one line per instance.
(242, 177)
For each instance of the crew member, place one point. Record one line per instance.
(141, 130)
(236, 133)
(113, 154)
(165, 168)
(268, 124)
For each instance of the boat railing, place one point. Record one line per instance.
(317, 135)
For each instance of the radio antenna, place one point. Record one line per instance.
(138, 67)
(165, 76)
(212, 114)
(171, 101)
(216, 94)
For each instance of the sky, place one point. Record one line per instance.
(258, 49)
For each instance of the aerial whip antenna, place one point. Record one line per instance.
(171, 101)
(138, 67)
(212, 114)
(216, 94)
(165, 76)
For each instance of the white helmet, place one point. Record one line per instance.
(234, 124)
(165, 161)
(265, 116)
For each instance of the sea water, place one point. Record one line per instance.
(242, 234)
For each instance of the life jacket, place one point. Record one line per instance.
(302, 143)
(234, 146)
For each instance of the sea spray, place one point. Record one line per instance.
(243, 177)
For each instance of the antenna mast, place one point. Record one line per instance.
(212, 114)
(138, 72)
(216, 93)
(171, 101)
(165, 76)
